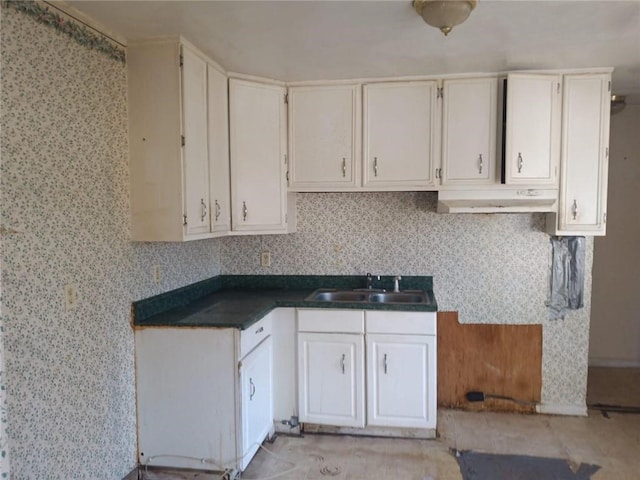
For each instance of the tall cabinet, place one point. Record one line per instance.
(582, 208)
(175, 150)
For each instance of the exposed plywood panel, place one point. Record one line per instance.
(494, 359)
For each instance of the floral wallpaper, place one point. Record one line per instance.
(490, 268)
(64, 219)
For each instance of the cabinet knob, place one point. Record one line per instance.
(218, 209)
(203, 210)
(375, 166)
(344, 167)
(245, 211)
(344, 356)
(520, 162)
(574, 209)
(480, 164)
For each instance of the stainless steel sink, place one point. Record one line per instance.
(338, 296)
(397, 297)
(358, 296)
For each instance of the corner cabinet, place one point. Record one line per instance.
(585, 156)
(324, 137)
(210, 388)
(258, 146)
(400, 135)
(173, 145)
(469, 122)
(532, 143)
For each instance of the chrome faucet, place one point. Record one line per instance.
(370, 281)
(396, 283)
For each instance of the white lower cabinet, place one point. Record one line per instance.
(203, 393)
(400, 368)
(399, 383)
(257, 404)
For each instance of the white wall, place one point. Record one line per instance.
(615, 314)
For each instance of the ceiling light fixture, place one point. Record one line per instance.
(444, 14)
(618, 102)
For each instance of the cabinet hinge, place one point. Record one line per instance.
(558, 88)
(286, 98)
(604, 217)
(440, 93)
(182, 140)
(286, 218)
(606, 152)
(181, 60)
(609, 86)
(184, 219)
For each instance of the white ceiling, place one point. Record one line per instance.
(320, 40)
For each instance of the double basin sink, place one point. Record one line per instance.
(368, 296)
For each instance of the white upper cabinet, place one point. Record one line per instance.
(584, 162)
(257, 117)
(532, 147)
(324, 137)
(400, 133)
(469, 125)
(218, 125)
(172, 142)
(195, 155)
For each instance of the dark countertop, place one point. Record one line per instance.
(237, 302)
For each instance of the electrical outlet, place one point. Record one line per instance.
(70, 297)
(156, 274)
(265, 258)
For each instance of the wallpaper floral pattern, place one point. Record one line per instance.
(490, 268)
(64, 219)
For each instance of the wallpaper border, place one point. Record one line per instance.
(70, 27)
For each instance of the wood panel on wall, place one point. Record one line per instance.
(501, 360)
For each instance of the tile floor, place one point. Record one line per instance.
(613, 443)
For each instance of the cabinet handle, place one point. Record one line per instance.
(375, 166)
(480, 164)
(574, 209)
(520, 162)
(252, 389)
(218, 209)
(384, 363)
(203, 209)
(245, 211)
(344, 167)
(260, 330)
(344, 356)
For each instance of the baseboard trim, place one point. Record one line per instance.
(132, 475)
(562, 409)
(613, 363)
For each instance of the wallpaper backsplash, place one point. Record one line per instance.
(490, 268)
(64, 215)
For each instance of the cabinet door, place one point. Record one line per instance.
(324, 137)
(218, 111)
(400, 125)
(533, 129)
(331, 379)
(195, 157)
(469, 131)
(585, 147)
(257, 404)
(401, 380)
(258, 145)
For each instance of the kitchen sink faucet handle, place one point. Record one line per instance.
(396, 283)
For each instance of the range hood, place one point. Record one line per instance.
(498, 200)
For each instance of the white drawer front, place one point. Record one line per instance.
(401, 323)
(252, 336)
(331, 321)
